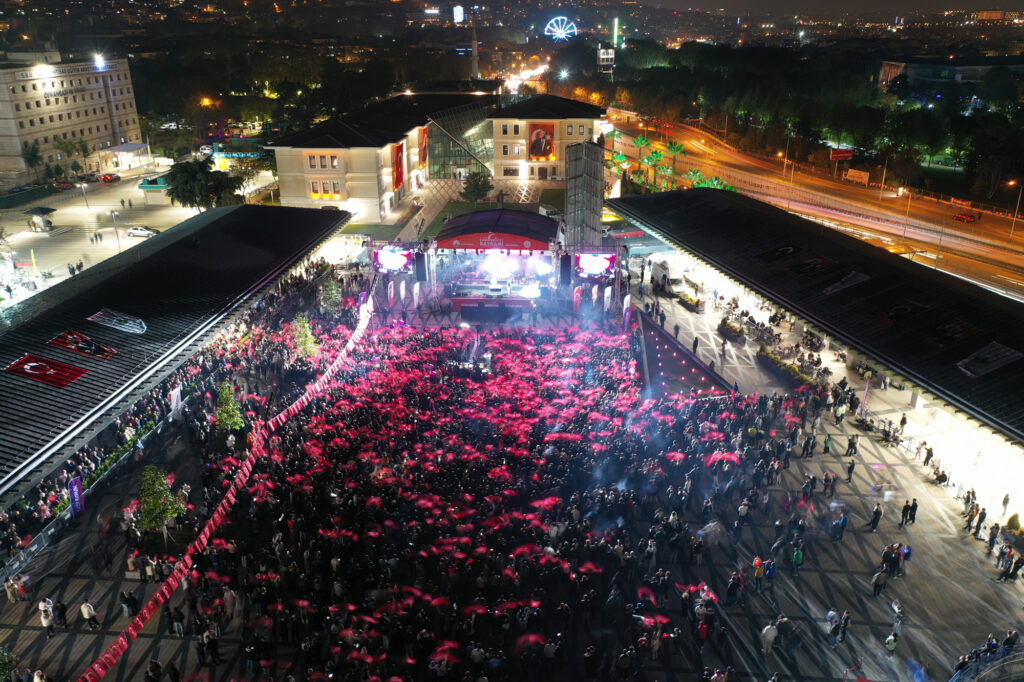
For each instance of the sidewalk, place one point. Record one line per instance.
(951, 598)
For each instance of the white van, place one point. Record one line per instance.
(670, 268)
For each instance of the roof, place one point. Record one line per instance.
(126, 148)
(177, 286)
(474, 229)
(380, 124)
(958, 341)
(549, 107)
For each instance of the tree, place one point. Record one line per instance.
(8, 663)
(58, 171)
(303, 338)
(666, 174)
(158, 504)
(476, 187)
(32, 158)
(694, 175)
(229, 412)
(247, 169)
(75, 167)
(330, 297)
(675, 149)
(641, 143)
(48, 172)
(194, 184)
(654, 158)
(998, 88)
(67, 148)
(611, 136)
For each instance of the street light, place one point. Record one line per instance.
(82, 186)
(117, 234)
(1013, 223)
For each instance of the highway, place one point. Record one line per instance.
(922, 228)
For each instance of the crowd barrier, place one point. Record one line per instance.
(109, 658)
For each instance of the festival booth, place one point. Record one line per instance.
(495, 265)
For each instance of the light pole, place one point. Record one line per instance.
(1013, 223)
(881, 187)
(82, 186)
(785, 157)
(906, 218)
(117, 233)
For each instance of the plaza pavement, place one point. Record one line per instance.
(952, 601)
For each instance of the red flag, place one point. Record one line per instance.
(77, 342)
(45, 371)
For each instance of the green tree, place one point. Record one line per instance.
(75, 167)
(158, 504)
(58, 171)
(330, 296)
(675, 149)
(32, 158)
(611, 136)
(48, 172)
(998, 88)
(229, 412)
(303, 337)
(194, 184)
(694, 175)
(641, 143)
(667, 175)
(67, 148)
(8, 663)
(476, 186)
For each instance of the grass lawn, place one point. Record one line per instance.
(459, 208)
(553, 197)
(374, 231)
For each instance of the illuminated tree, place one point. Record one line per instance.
(694, 175)
(302, 337)
(158, 504)
(229, 413)
(675, 149)
(641, 143)
(476, 187)
(667, 176)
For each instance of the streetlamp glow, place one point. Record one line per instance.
(82, 187)
(563, 74)
(99, 62)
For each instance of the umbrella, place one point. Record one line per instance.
(40, 210)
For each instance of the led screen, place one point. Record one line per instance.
(393, 260)
(595, 264)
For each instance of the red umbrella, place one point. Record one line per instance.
(302, 602)
(275, 607)
(475, 608)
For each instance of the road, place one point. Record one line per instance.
(77, 222)
(982, 251)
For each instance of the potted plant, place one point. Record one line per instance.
(731, 331)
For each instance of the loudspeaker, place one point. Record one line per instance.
(421, 267)
(565, 270)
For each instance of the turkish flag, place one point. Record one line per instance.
(77, 342)
(46, 371)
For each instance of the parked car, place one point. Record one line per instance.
(141, 231)
(170, 125)
(110, 177)
(89, 177)
(61, 185)
(965, 218)
(206, 149)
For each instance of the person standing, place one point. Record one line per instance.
(1006, 504)
(46, 619)
(849, 470)
(89, 615)
(981, 519)
(912, 518)
(844, 625)
(60, 614)
(878, 581)
(696, 342)
(768, 636)
(876, 516)
(905, 514)
(890, 643)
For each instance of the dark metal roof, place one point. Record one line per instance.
(532, 226)
(549, 107)
(206, 269)
(956, 340)
(382, 123)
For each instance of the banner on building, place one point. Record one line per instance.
(75, 493)
(45, 371)
(77, 342)
(120, 321)
(397, 166)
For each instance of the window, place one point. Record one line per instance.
(312, 162)
(17, 107)
(51, 118)
(515, 129)
(581, 129)
(336, 186)
(590, 133)
(21, 124)
(28, 105)
(510, 171)
(568, 130)
(554, 171)
(515, 150)
(504, 150)
(334, 164)
(504, 129)
(314, 187)
(532, 171)
(323, 161)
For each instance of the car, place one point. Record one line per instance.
(172, 125)
(110, 177)
(206, 149)
(62, 185)
(965, 218)
(141, 231)
(89, 177)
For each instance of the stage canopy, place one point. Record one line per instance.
(499, 229)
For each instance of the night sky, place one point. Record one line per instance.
(836, 7)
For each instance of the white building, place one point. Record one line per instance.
(89, 102)
(530, 136)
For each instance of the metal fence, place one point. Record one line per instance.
(1001, 664)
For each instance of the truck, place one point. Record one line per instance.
(670, 268)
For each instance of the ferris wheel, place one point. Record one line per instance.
(560, 28)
